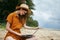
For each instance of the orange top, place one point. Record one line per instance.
(16, 24)
(13, 19)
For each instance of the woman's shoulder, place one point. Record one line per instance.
(12, 14)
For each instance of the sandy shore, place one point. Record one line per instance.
(41, 34)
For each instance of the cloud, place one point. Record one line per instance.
(47, 13)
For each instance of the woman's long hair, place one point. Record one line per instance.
(23, 16)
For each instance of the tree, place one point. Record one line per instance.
(8, 6)
(32, 23)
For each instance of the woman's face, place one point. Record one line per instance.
(22, 11)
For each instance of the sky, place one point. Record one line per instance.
(47, 13)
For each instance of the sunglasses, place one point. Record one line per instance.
(22, 9)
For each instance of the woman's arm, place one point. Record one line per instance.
(33, 28)
(10, 30)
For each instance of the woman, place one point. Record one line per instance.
(15, 21)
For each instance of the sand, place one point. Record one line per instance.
(40, 34)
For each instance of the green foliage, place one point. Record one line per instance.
(8, 6)
(31, 22)
(30, 3)
(2, 25)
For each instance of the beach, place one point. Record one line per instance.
(40, 34)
